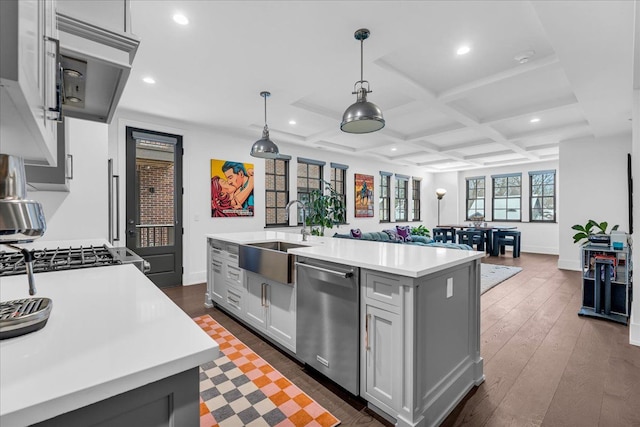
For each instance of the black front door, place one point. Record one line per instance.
(154, 202)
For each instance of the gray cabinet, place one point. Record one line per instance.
(29, 80)
(54, 178)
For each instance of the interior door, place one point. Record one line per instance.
(154, 202)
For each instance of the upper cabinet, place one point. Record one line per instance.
(97, 51)
(30, 77)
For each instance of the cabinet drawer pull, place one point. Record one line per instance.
(366, 332)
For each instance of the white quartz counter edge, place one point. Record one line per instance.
(401, 259)
(110, 330)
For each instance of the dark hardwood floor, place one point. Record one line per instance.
(544, 365)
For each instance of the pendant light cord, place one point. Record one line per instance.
(361, 60)
(265, 110)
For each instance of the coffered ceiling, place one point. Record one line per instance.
(567, 64)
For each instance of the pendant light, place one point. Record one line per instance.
(264, 147)
(363, 116)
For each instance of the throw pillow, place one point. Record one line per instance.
(404, 231)
(356, 233)
(393, 235)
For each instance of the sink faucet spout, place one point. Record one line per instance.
(304, 231)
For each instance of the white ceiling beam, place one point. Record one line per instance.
(462, 90)
(526, 112)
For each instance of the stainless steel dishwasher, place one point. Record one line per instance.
(327, 338)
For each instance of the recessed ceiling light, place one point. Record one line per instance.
(463, 50)
(292, 122)
(149, 80)
(180, 19)
(393, 149)
(534, 120)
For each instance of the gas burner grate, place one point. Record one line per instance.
(12, 263)
(19, 317)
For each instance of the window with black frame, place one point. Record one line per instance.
(401, 199)
(415, 197)
(385, 197)
(542, 196)
(475, 196)
(310, 178)
(507, 197)
(276, 190)
(339, 182)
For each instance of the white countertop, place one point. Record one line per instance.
(110, 330)
(401, 259)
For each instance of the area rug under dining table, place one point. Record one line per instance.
(242, 389)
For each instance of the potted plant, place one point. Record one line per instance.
(584, 231)
(420, 230)
(326, 209)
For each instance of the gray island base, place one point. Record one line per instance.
(419, 317)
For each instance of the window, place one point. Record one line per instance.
(339, 182)
(506, 197)
(542, 194)
(415, 197)
(402, 194)
(385, 197)
(277, 190)
(475, 197)
(310, 173)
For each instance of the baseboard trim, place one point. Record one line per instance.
(566, 264)
(194, 278)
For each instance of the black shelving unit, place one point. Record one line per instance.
(606, 282)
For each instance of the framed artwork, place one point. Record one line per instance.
(231, 188)
(364, 196)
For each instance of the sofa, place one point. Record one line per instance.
(390, 237)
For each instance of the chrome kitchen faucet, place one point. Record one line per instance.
(304, 231)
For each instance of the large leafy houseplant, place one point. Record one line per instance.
(584, 231)
(326, 208)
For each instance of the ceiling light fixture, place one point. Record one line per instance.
(393, 149)
(149, 80)
(292, 122)
(523, 57)
(534, 120)
(264, 147)
(180, 19)
(363, 116)
(463, 50)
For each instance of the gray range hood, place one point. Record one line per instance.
(96, 63)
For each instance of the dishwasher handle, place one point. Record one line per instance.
(344, 275)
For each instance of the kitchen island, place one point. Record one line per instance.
(115, 347)
(419, 314)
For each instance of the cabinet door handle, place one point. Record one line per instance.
(70, 170)
(366, 332)
(59, 82)
(264, 294)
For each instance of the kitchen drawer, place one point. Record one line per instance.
(384, 288)
(234, 276)
(234, 301)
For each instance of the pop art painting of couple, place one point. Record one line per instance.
(231, 188)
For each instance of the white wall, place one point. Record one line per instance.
(536, 237)
(202, 144)
(449, 206)
(634, 327)
(82, 212)
(593, 173)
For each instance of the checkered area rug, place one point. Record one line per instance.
(241, 389)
